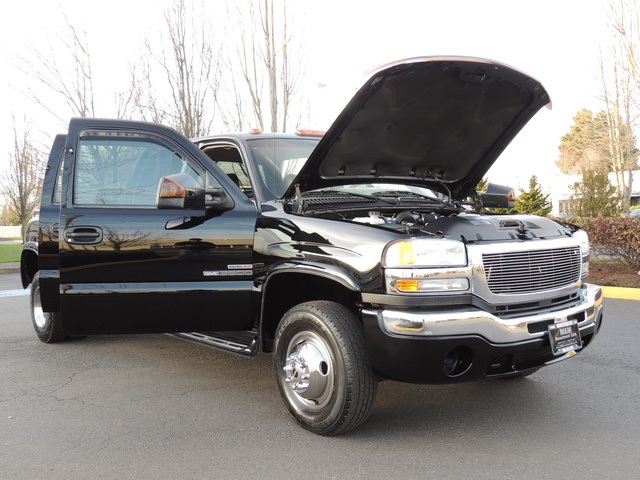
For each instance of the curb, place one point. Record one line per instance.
(9, 268)
(621, 293)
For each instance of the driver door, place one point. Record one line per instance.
(128, 266)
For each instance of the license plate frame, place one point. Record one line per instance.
(564, 337)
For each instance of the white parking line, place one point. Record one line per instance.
(14, 293)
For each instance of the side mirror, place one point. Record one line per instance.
(498, 196)
(181, 191)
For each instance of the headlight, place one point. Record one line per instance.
(425, 253)
(583, 239)
(585, 249)
(426, 265)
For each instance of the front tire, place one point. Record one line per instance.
(48, 325)
(322, 368)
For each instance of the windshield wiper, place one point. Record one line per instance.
(398, 194)
(350, 194)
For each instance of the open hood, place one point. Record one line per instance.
(439, 122)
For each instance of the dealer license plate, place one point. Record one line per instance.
(564, 337)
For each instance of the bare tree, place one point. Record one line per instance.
(624, 18)
(65, 69)
(620, 87)
(269, 59)
(188, 62)
(244, 83)
(75, 87)
(621, 143)
(20, 182)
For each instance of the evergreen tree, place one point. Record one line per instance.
(584, 147)
(592, 142)
(533, 201)
(482, 185)
(594, 196)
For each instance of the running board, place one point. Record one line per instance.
(242, 342)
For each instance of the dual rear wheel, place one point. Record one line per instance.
(48, 325)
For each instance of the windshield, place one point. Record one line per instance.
(279, 160)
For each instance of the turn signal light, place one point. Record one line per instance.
(407, 285)
(170, 189)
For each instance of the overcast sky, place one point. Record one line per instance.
(555, 41)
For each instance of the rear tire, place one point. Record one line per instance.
(322, 368)
(48, 325)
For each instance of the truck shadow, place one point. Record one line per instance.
(400, 410)
(483, 407)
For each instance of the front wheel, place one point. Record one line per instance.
(48, 325)
(322, 368)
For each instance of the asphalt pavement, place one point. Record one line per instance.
(154, 406)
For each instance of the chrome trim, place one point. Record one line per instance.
(220, 343)
(159, 287)
(50, 274)
(472, 321)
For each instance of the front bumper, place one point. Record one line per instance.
(463, 343)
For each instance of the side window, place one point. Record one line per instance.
(229, 160)
(57, 188)
(124, 170)
(236, 172)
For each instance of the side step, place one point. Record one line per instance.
(243, 342)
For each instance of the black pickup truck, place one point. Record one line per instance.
(359, 255)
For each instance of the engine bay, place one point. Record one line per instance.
(464, 225)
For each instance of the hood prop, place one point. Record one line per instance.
(301, 205)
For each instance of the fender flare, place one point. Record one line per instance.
(29, 251)
(330, 272)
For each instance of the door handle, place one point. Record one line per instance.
(85, 235)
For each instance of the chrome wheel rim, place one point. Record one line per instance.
(308, 372)
(39, 317)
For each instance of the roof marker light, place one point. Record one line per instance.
(310, 133)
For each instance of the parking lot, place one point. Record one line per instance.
(154, 406)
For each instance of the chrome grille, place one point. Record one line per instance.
(532, 270)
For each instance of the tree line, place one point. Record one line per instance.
(184, 78)
(602, 145)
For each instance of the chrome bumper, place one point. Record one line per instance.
(464, 320)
